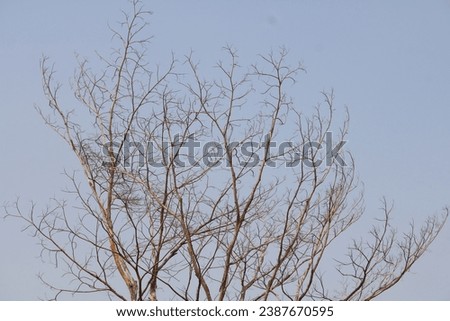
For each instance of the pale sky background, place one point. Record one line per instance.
(388, 61)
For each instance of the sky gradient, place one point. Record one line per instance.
(387, 62)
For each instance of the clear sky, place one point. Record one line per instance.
(388, 61)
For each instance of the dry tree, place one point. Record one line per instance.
(216, 187)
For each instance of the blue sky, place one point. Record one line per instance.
(388, 62)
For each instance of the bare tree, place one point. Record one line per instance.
(219, 189)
